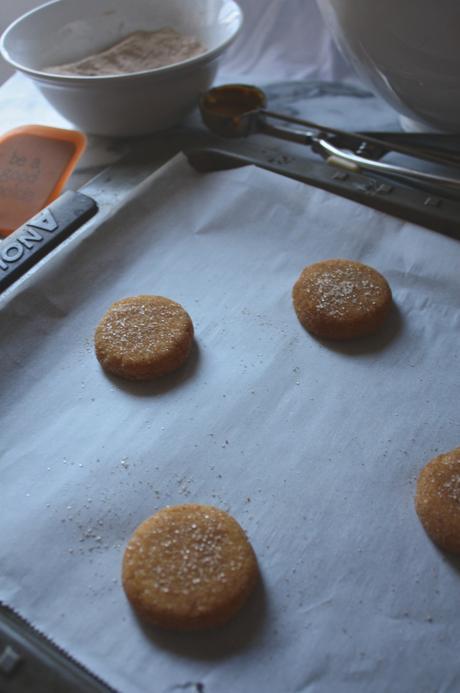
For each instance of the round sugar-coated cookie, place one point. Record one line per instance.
(189, 567)
(437, 500)
(341, 299)
(142, 337)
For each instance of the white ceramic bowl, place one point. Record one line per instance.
(143, 102)
(408, 51)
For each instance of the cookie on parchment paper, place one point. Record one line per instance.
(341, 299)
(189, 567)
(143, 337)
(437, 500)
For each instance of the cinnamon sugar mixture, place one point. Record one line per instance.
(142, 50)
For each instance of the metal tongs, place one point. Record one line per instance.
(239, 110)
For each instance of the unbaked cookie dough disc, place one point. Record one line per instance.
(142, 337)
(341, 299)
(437, 500)
(189, 567)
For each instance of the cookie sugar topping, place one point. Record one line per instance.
(343, 285)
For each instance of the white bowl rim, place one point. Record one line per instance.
(86, 79)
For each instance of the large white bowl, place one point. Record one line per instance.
(66, 30)
(408, 51)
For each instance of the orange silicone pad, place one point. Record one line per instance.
(35, 163)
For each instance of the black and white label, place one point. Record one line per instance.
(23, 248)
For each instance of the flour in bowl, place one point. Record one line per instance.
(142, 50)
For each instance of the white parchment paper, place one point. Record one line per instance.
(314, 448)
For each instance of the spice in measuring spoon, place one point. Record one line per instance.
(233, 110)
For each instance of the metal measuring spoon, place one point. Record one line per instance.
(239, 110)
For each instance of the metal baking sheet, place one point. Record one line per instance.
(313, 447)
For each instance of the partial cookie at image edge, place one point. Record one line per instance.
(437, 500)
